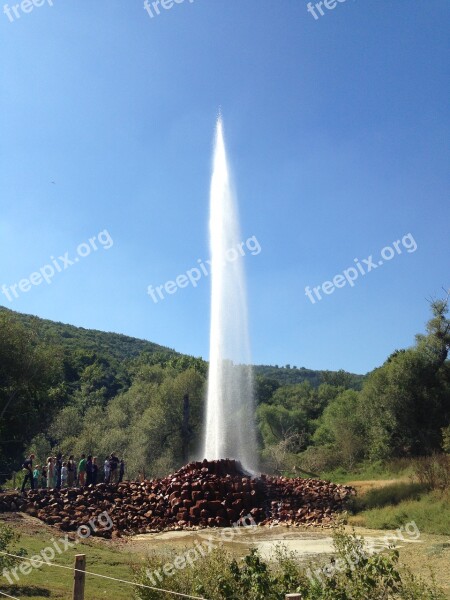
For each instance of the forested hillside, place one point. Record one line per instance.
(290, 375)
(116, 345)
(76, 390)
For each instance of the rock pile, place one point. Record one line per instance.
(201, 494)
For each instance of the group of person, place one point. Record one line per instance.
(59, 473)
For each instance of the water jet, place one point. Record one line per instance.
(230, 426)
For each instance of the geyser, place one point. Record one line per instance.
(230, 428)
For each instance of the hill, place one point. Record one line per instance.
(87, 390)
(122, 348)
(292, 375)
(118, 346)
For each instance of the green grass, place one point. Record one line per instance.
(429, 510)
(388, 495)
(391, 505)
(379, 470)
(51, 582)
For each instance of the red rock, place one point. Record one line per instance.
(206, 494)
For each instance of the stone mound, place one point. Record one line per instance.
(199, 495)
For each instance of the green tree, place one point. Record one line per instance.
(406, 400)
(265, 389)
(142, 424)
(31, 388)
(276, 421)
(342, 428)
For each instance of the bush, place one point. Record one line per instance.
(446, 439)
(317, 459)
(433, 471)
(7, 538)
(220, 576)
(357, 575)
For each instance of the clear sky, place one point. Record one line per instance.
(337, 130)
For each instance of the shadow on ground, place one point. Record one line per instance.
(26, 591)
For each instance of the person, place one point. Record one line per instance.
(121, 470)
(113, 466)
(28, 469)
(36, 477)
(71, 471)
(64, 474)
(50, 472)
(89, 470)
(44, 476)
(58, 469)
(55, 475)
(82, 470)
(94, 470)
(55, 472)
(107, 470)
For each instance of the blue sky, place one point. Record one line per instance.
(337, 131)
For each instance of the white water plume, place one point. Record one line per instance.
(230, 426)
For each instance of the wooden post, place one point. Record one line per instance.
(294, 597)
(79, 577)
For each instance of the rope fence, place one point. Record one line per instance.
(8, 596)
(141, 585)
(79, 581)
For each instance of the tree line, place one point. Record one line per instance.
(81, 391)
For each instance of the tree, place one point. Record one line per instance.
(436, 344)
(265, 388)
(282, 455)
(143, 424)
(31, 388)
(342, 379)
(276, 422)
(406, 400)
(342, 428)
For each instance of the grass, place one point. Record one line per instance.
(429, 510)
(391, 494)
(386, 494)
(394, 469)
(51, 582)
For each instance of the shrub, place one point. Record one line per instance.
(356, 575)
(318, 459)
(220, 576)
(446, 439)
(7, 538)
(433, 471)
